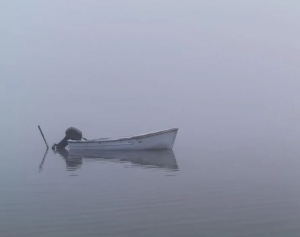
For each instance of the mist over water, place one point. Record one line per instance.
(225, 73)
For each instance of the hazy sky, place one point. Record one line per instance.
(129, 66)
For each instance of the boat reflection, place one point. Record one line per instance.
(164, 159)
(72, 164)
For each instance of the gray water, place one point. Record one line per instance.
(226, 73)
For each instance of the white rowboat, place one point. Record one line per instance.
(151, 141)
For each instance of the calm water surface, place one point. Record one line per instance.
(225, 72)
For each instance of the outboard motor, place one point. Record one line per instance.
(71, 134)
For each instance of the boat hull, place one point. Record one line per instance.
(151, 141)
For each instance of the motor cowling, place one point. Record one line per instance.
(71, 134)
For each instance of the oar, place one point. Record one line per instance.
(43, 136)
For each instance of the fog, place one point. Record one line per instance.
(223, 72)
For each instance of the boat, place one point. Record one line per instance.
(157, 159)
(150, 141)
